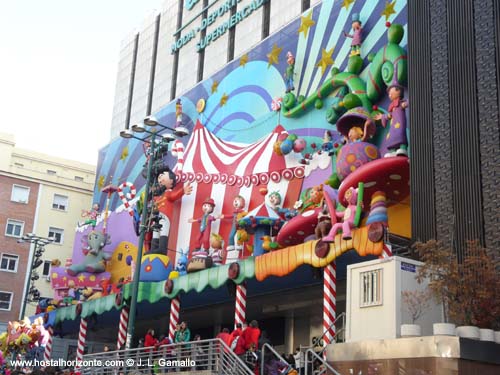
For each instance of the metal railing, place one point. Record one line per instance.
(209, 356)
(323, 367)
(267, 363)
(319, 356)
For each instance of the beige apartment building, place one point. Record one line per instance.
(43, 195)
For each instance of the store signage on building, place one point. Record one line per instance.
(189, 4)
(229, 23)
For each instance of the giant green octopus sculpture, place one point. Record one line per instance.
(95, 257)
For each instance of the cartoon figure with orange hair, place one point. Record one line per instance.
(238, 213)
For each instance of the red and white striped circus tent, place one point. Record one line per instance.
(264, 210)
(222, 170)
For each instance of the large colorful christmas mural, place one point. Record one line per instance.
(297, 153)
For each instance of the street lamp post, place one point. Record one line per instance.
(38, 249)
(152, 151)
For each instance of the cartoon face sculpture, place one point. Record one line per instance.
(239, 202)
(167, 180)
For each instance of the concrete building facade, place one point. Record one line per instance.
(43, 195)
(151, 74)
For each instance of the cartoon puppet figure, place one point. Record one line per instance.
(290, 60)
(275, 202)
(217, 249)
(203, 240)
(178, 112)
(238, 213)
(91, 216)
(164, 203)
(356, 36)
(348, 216)
(395, 141)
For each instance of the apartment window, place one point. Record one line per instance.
(20, 194)
(60, 202)
(371, 288)
(8, 262)
(57, 234)
(51, 172)
(78, 178)
(6, 300)
(14, 228)
(46, 268)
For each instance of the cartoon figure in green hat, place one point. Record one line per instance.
(356, 35)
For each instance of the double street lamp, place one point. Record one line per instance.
(31, 294)
(158, 145)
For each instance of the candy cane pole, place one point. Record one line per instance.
(82, 336)
(329, 302)
(240, 306)
(48, 347)
(125, 198)
(175, 308)
(122, 328)
(386, 252)
(178, 151)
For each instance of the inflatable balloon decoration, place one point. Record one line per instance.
(22, 336)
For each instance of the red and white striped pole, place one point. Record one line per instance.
(386, 251)
(48, 346)
(178, 151)
(240, 306)
(122, 328)
(82, 336)
(175, 308)
(329, 302)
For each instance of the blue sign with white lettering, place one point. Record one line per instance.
(408, 267)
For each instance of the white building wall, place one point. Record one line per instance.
(384, 321)
(122, 86)
(249, 31)
(216, 51)
(282, 12)
(164, 59)
(188, 56)
(143, 70)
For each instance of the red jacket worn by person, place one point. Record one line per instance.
(240, 344)
(226, 337)
(251, 335)
(149, 341)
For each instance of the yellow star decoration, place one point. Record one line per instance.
(124, 154)
(214, 86)
(223, 100)
(65, 278)
(81, 278)
(244, 59)
(272, 57)
(388, 10)
(54, 275)
(326, 59)
(347, 3)
(305, 23)
(92, 278)
(100, 182)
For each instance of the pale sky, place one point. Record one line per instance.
(58, 65)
